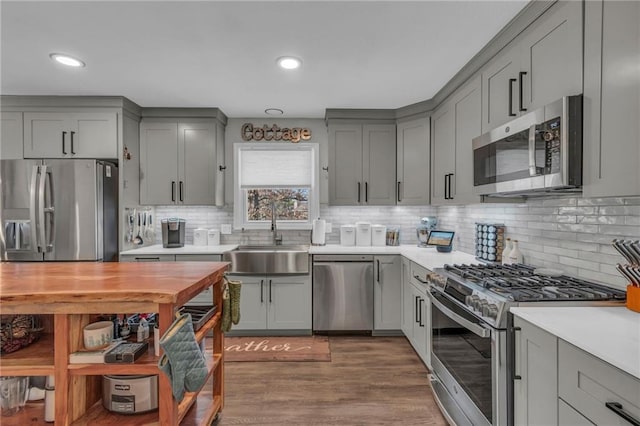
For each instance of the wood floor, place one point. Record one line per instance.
(369, 381)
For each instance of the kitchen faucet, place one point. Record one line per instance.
(277, 239)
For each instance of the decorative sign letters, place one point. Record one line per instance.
(274, 133)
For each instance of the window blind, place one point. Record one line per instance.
(269, 168)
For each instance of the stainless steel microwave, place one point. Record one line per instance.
(539, 152)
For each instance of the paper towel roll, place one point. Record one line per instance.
(318, 230)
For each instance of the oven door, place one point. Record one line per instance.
(466, 357)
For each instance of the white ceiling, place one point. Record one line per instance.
(365, 54)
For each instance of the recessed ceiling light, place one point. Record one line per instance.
(273, 111)
(289, 62)
(67, 60)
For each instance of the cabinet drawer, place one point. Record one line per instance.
(587, 383)
(199, 257)
(147, 258)
(419, 274)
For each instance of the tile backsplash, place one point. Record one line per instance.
(568, 233)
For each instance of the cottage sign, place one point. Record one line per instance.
(274, 133)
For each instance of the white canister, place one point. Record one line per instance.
(214, 237)
(363, 234)
(348, 235)
(378, 235)
(200, 237)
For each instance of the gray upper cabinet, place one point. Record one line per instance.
(454, 125)
(11, 142)
(178, 162)
(413, 162)
(539, 66)
(70, 135)
(362, 160)
(611, 99)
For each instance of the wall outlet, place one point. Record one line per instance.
(225, 229)
(328, 228)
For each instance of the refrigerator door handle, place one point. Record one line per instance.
(42, 242)
(49, 210)
(32, 208)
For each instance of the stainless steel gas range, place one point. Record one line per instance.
(472, 332)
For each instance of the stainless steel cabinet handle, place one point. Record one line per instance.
(270, 300)
(420, 279)
(358, 191)
(378, 264)
(261, 292)
(72, 151)
(511, 113)
(533, 171)
(521, 84)
(63, 135)
(516, 376)
(416, 308)
(445, 187)
(476, 329)
(146, 258)
(173, 190)
(366, 192)
(181, 190)
(616, 407)
(420, 302)
(399, 192)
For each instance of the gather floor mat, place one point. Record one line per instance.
(311, 348)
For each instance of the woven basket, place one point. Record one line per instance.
(18, 331)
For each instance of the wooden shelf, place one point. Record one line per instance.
(208, 326)
(203, 411)
(33, 360)
(146, 364)
(31, 414)
(98, 415)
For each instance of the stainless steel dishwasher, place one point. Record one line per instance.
(342, 292)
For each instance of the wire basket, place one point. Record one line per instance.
(18, 331)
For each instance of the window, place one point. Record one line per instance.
(275, 177)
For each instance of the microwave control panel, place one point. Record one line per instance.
(550, 132)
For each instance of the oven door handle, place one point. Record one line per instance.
(533, 170)
(476, 329)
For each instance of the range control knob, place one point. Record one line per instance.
(475, 302)
(493, 311)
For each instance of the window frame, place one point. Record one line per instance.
(240, 195)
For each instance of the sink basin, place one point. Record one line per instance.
(268, 259)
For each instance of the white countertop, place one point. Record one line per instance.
(426, 257)
(609, 333)
(187, 249)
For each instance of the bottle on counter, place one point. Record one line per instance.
(508, 247)
(515, 256)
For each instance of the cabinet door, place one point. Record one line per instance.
(407, 300)
(419, 325)
(443, 151)
(556, 34)
(11, 142)
(289, 301)
(93, 135)
(468, 116)
(46, 135)
(536, 392)
(387, 293)
(611, 99)
(413, 162)
(253, 302)
(379, 164)
(346, 187)
(158, 164)
(567, 416)
(499, 81)
(197, 163)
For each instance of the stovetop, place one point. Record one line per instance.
(520, 283)
(488, 290)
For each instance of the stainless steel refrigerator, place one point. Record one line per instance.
(58, 210)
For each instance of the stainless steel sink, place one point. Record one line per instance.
(268, 259)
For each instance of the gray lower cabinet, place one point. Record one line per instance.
(70, 135)
(362, 164)
(147, 258)
(387, 293)
(611, 98)
(179, 162)
(11, 142)
(413, 162)
(274, 302)
(454, 125)
(407, 310)
(521, 78)
(568, 416)
(535, 391)
(416, 310)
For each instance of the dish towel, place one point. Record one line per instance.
(182, 361)
(230, 303)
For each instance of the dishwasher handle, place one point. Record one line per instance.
(326, 258)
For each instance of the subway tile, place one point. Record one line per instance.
(633, 201)
(620, 210)
(600, 258)
(610, 220)
(559, 202)
(560, 235)
(536, 256)
(624, 231)
(600, 201)
(543, 225)
(608, 279)
(582, 264)
(579, 246)
(577, 227)
(632, 220)
(578, 210)
(561, 251)
(595, 238)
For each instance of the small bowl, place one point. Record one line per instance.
(98, 335)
